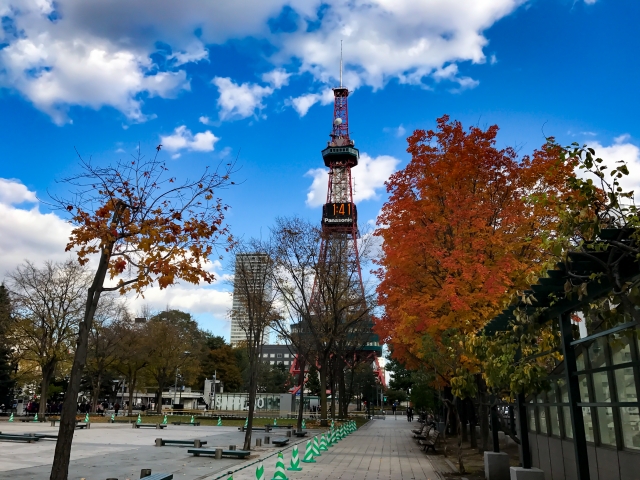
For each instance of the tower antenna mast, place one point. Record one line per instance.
(340, 63)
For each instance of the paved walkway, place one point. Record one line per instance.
(380, 450)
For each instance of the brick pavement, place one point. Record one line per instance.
(380, 450)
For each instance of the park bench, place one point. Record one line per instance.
(83, 425)
(195, 424)
(280, 441)
(244, 429)
(41, 435)
(225, 453)
(279, 426)
(159, 476)
(161, 442)
(302, 433)
(19, 438)
(430, 442)
(148, 425)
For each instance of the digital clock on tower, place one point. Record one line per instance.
(343, 214)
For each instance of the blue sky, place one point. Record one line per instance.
(250, 78)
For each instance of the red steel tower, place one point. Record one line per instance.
(339, 248)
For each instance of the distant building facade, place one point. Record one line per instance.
(275, 354)
(256, 263)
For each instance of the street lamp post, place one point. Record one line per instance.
(175, 387)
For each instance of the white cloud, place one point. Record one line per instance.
(183, 139)
(239, 101)
(399, 131)
(368, 177)
(276, 78)
(98, 53)
(590, 2)
(621, 149)
(12, 192)
(204, 120)
(28, 234)
(303, 103)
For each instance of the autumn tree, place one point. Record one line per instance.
(220, 358)
(173, 340)
(144, 228)
(104, 345)
(253, 308)
(295, 249)
(48, 306)
(6, 355)
(461, 232)
(132, 355)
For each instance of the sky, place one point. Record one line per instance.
(251, 80)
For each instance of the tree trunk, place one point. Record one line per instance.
(323, 390)
(47, 374)
(158, 398)
(471, 413)
(343, 401)
(461, 407)
(301, 363)
(332, 380)
(95, 394)
(459, 425)
(132, 389)
(253, 384)
(60, 467)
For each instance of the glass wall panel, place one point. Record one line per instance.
(532, 419)
(555, 421)
(579, 362)
(551, 394)
(607, 430)
(588, 424)
(597, 352)
(542, 417)
(584, 390)
(601, 387)
(621, 346)
(568, 429)
(564, 391)
(630, 427)
(625, 385)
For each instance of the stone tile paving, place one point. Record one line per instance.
(380, 450)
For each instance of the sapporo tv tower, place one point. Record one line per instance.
(339, 247)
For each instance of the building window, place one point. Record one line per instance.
(278, 355)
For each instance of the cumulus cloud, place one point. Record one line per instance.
(239, 101)
(303, 103)
(98, 53)
(399, 131)
(183, 139)
(204, 120)
(276, 78)
(368, 177)
(28, 234)
(621, 149)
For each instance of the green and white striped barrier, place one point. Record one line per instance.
(294, 465)
(308, 454)
(280, 473)
(260, 472)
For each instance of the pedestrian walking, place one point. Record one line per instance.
(393, 409)
(410, 414)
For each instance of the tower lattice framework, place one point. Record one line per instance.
(339, 258)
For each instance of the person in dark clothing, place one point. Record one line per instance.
(410, 414)
(116, 407)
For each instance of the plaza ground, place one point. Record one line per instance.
(381, 449)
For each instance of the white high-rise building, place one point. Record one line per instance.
(254, 264)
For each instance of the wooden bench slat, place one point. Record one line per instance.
(212, 451)
(159, 476)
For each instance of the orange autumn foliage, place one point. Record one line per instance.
(463, 230)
